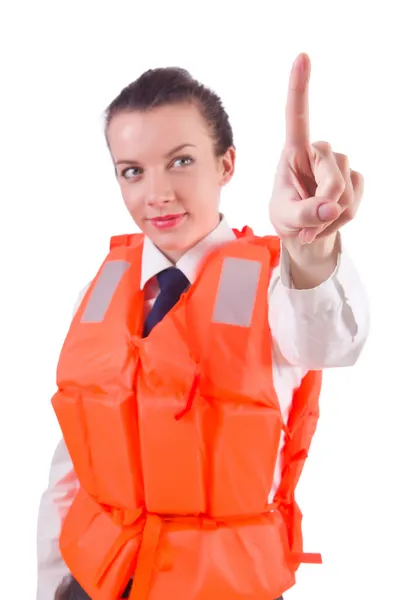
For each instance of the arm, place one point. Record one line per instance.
(322, 320)
(54, 505)
(55, 502)
(322, 326)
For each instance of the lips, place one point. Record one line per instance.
(167, 221)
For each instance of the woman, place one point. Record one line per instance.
(188, 384)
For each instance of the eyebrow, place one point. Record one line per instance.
(170, 153)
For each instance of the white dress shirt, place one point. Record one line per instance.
(313, 329)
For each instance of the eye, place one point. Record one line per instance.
(184, 161)
(131, 172)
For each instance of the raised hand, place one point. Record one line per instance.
(315, 191)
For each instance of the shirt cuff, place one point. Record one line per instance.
(342, 291)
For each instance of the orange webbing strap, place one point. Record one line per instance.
(134, 526)
(150, 526)
(313, 558)
(307, 557)
(191, 396)
(286, 431)
(136, 523)
(146, 558)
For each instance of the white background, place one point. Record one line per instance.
(61, 64)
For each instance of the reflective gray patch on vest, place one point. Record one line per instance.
(103, 291)
(237, 288)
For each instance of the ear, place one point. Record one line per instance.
(227, 165)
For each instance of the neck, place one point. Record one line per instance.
(175, 255)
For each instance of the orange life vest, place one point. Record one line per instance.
(174, 438)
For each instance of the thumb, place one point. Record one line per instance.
(315, 211)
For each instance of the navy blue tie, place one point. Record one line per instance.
(172, 283)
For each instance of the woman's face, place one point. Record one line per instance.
(169, 176)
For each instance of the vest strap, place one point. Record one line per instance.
(134, 527)
(191, 396)
(290, 513)
(150, 525)
(312, 558)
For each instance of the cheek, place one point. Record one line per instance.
(200, 191)
(206, 198)
(132, 202)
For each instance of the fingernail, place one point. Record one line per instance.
(326, 212)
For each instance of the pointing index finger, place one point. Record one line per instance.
(297, 108)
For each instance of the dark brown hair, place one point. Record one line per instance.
(173, 85)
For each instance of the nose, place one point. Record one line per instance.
(159, 191)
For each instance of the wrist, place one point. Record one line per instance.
(319, 251)
(312, 264)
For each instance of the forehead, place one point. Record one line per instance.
(147, 134)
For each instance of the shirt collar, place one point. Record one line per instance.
(154, 261)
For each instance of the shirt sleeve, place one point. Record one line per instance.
(326, 326)
(54, 505)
